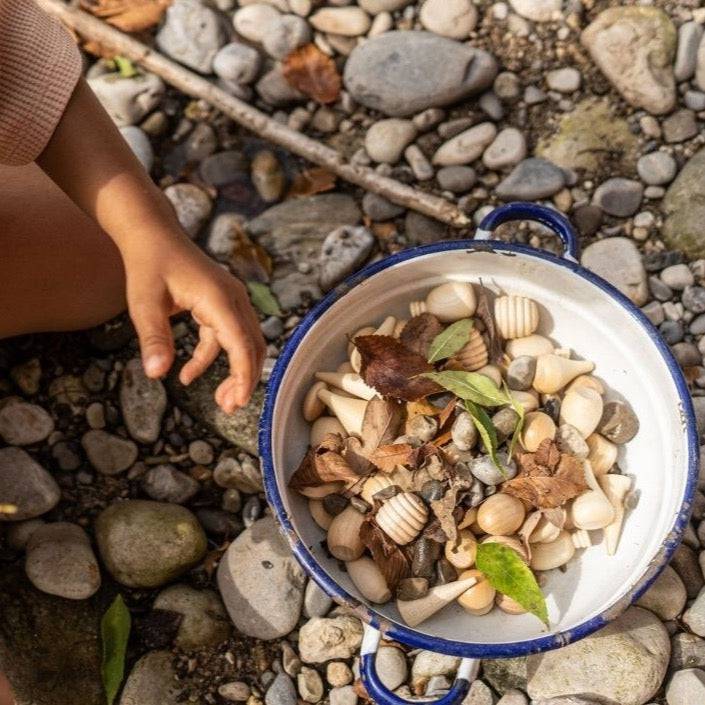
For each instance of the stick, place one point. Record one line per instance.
(258, 122)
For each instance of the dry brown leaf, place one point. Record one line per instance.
(383, 231)
(249, 260)
(492, 335)
(441, 440)
(128, 15)
(313, 73)
(447, 412)
(419, 332)
(312, 181)
(380, 424)
(527, 528)
(421, 407)
(390, 559)
(387, 457)
(322, 465)
(392, 369)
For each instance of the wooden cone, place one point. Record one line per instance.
(350, 412)
(615, 488)
(413, 612)
(349, 382)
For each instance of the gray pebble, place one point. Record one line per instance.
(654, 312)
(659, 290)
(490, 104)
(465, 147)
(672, 331)
(657, 168)
(507, 86)
(463, 432)
(342, 252)
(165, 483)
(19, 533)
(378, 208)
(386, 140)
(565, 80)
(192, 206)
(679, 126)
(507, 149)
(237, 62)
(687, 354)
(570, 440)
(534, 95)
(619, 423)
(520, 374)
(272, 327)
(422, 168)
(697, 325)
(687, 651)
(531, 179)
(281, 692)
(107, 453)
(693, 299)
(457, 179)
(316, 602)
(686, 687)
(421, 229)
(391, 666)
(485, 470)
(685, 563)
(618, 196)
(695, 100)
(689, 36)
(677, 276)
(284, 35)
(22, 423)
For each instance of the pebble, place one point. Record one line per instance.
(374, 7)
(338, 674)
(618, 260)
(343, 251)
(421, 230)
(346, 21)
(310, 685)
(128, 100)
(19, 533)
(619, 423)
(694, 616)
(274, 89)
(507, 149)
(513, 697)
(654, 312)
(25, 484)
(687, 651)
(261, 583)
(201, 452)
(507, 86)
(387, 139)
(420, 166)
(687, 354)
(378, 208)
(672, 331)
(140, 145)
(689, 36)
(107, 453)
(618, 196)
(22, 423)
(322, 639)
(145, 544)
(666, 597)
(657, 168)
(191, 34)
(565, 80)
(457, 179)
(403, 73)
(537, 10)
(429, 663)
(317, 603)
(284, 35)
(152, 681)
(693, 299)
(685, 559)
(237, 62)
(223, 168)
(490, 103)
(192, 205)
(677, 276)
(630, 655)
(235, 691)
(479, 694)
(343, 696)
(252, 21)
(686, 687)
(679, 126)
(142, 402)
(454, 19)
(60, 561)
(164, 483)
(634, 47)
(391, 666)
(530, 180)
(520, 373)
(569, 440)
(465, 147)
(695, 100)
(204, 619)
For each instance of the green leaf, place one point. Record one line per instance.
(470, 386)
(263, 299)
(114, 633)
(487, 432)
(125, 66)
(519, 408)
(450, 341)
(509, 575)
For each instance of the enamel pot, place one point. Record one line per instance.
(579, 310)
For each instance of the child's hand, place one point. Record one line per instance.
(169, 275)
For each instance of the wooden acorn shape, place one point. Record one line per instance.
(479, 599)
(473, 355)
(589, 381)
(368, 579)
(462, 552)
(581, 538)
(343, 538)
(516, 316)
(319, 514)
(508, 605)
(349, 382)
(616, 489)
(602, 454)
(349, 411)
(510, 542)
(538, 426)
(402, 517)
(582, 408)
(528, 400)
(491, 372)
(501, 514)
(321, 427)
(448, 302)
(414, 612)
(374, 484)
(545, 556)
(554, 372)
(591, 510)
(531, 345)
(313, 407)
(385, 328)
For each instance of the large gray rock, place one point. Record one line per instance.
(686, 687)
(152, 681)
(142, 401)
(401, 73)
(506, 673)
(634, 47)
(146, 544)
(623, 664)
(261, 583)
(26, 485)
(684, 208)
(342, 252)
(128, 100)
(618, 260)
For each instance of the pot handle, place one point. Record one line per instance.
(381, 695)
(522, 210)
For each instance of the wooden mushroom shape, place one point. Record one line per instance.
(479, 599)
(582, 409)
(531, 345)
(538, 426)
(343, 538)
(602, 454)
(321, 427)
(349, 382)
(554, 372)
(591, 510)
(368, 579)
(545, 556)
(616, 488)
(501, 514)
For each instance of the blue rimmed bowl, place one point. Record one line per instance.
(579, 310)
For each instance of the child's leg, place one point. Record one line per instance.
(5, 693)
(58, 271)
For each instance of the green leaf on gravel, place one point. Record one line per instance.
(263, 299)
(114, 633)
(450, 341)
(508, 574)
(519, 408)
(488, 433)
(470, 386)
(125, 67)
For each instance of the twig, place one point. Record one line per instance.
(258, 122)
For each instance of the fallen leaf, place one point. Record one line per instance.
(125, 67)
(421, 407)
(380, 424)
(488, 433)
(420, 332)
(322, 465)
(469, 386)
(494, 339)
(442, 439)
(444, 509)
(392, 369)
(313, 73)
(390, 559)
(312, 181)
(355, 456)
(386, 458)
(450, 341)
(383, 231)
(115, 628)
(249, 260)
(128, 15)
(447, 412)
(263, 299)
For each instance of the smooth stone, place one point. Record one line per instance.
(687, 651)
(164, 483)
(152, 681)
(428, 664)
(342, 252)
(274, 89)
(422, 230)
(310, 685)
(634, 47)
(565, 80)
(694, 299)
(694, 616)
(686, 687)
(530, 180)
(205, 621)
(374, 7)
(191, 34)
(391, 666)
(60, 561)
(454, 19)
(324, 638)
(261, 583)
(344, 695)
(618, 260)
(142, 402)
(618, 196)
(386, 140)
(145, 544)
(458, 179)
(107, 453)
(378, 208)
(22, 423)
(235, 691)
(666, 597)
(140, 145)
(677, 276)
(237, 62)
(252, 21)
(505, 674)
(402, 73)
(689, 36)
(680, 126)
(192, 205)
(657, 168)
(317, 603)
(625, 662)
(695, 100)
(281, 691)
(128, 100)
(685, 559)
(223, 168)
(700, 67)
(537, 10)
(243, 475)
(513, 697)
(465, 147)
(520, 373)
(286, 34)
(26, 485)
(507, 149)
(19, 533)
(619, 423)
(224, 232)
(486, 471)
(569, 440)
(346, 21)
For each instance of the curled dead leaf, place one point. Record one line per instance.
(390, 559)
(249, 261)
(380, 424)
(323, 464)
(312, 181)
(128, 15)
(387, 457)
(419, 333)
(313, 73)
(492, 335)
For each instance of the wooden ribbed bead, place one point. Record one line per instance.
(516, 316)
(473, 355)
(402, 517)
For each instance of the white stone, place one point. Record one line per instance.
(507, 149)
(252, 21)
(322, 639)
(537, 10)
(686, 687)
(565, 80)
(449, 18)
(465, 147)
(374, 7)
(346, 21)
(142, 402)
(386, 140)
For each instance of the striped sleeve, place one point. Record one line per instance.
(39, 68)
